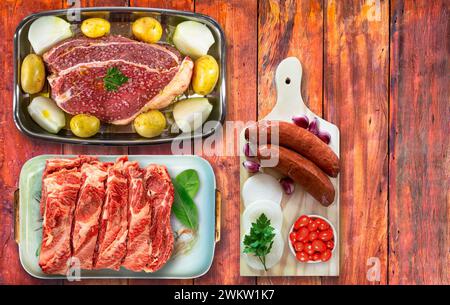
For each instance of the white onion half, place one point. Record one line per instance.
(269, 208)
(193, 38)
(47, 31)
(47, 114)
(272, 258)
(261, 187)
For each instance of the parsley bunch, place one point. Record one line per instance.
(260, 239)
(114, 79)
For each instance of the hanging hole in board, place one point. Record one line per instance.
(287, 80)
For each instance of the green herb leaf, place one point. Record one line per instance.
(184, 207)
(259, 241)
(114, 79)
(189, 180)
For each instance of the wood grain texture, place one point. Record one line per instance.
(419, 159)
(239, 22)
(290, 28)
(356, 100)
(15, 148)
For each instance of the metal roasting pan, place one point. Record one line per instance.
(119, 18)
(190, 264)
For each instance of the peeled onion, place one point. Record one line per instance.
(271, 209)
(47, 31)
(193, 38)
(261, 187)
(272, 258)
(47, 114)
(191, 113)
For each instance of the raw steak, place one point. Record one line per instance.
(61, 191)
(160, 188)
(87, 212)
(156, 75)
(113, 224)
(138, 243)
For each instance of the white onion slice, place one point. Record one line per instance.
(47, 31)
(271, 259)
(193, 38)
(47, 114)
(261, 187)
(271, 209)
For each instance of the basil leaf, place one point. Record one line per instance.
(184, 207)
(189, 180)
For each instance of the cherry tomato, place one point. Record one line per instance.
(325, 256)
(292, 237)
(313, 235)
(322, 225)
(302, 234)
(309, 249)
(299, 246)
(330, 244)
(316, 257)
(326, 235)
(319, 245)
(310, 257)
(312, 226)
(302, 256)
(301, 222)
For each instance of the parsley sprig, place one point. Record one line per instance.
(260, 240)
(114, 79)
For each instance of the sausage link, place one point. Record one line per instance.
(300, 140)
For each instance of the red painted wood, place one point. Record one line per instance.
(419, 160)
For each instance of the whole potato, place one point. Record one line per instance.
(205, 75)
(95, 27)
(150, 124)
(84, 125)
(147, 29)
(32, 76)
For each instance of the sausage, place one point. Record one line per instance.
(300, 140)
(301, 170)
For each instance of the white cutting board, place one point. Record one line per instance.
(289, 103)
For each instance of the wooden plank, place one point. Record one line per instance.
(290, 28)
(356, 100)
(15, 148)
(186, 5)
(239, 21)
(419, 159)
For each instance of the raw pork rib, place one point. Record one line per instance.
(61, 191)
(114, 224)
(138, 243)
(156, 75)
(87, 212)
(160, 188)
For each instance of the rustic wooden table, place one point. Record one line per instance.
(377, 69)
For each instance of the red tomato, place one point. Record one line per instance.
(330, 244)
(292, 237)
(326, 255)
(309, 249)
(319, 245)
(313, 235)
(299, 246)
(326, 235)
(312, 226)
(316, 257)
(302, 256)
(322, 225)
(302, 234)
(301, 222)
(310, 257)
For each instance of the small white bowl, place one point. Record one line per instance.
(292, 229)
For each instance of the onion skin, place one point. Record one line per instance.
(314, 126)
(324, 136)
(251, 166)
(301, 121)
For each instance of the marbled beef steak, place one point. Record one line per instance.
(157, 73)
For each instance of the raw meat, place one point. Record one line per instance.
(61, 191)
(87, 212)
(156, 75)
(112, 239)
(160, 188)
(138, 243)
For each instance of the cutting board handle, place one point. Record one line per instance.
(288, 80)
(16, 217)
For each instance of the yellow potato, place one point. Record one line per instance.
(32, 76)
(150, 124)
(95, 27)
(147, 29)
(84, 125)
(206, 74)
